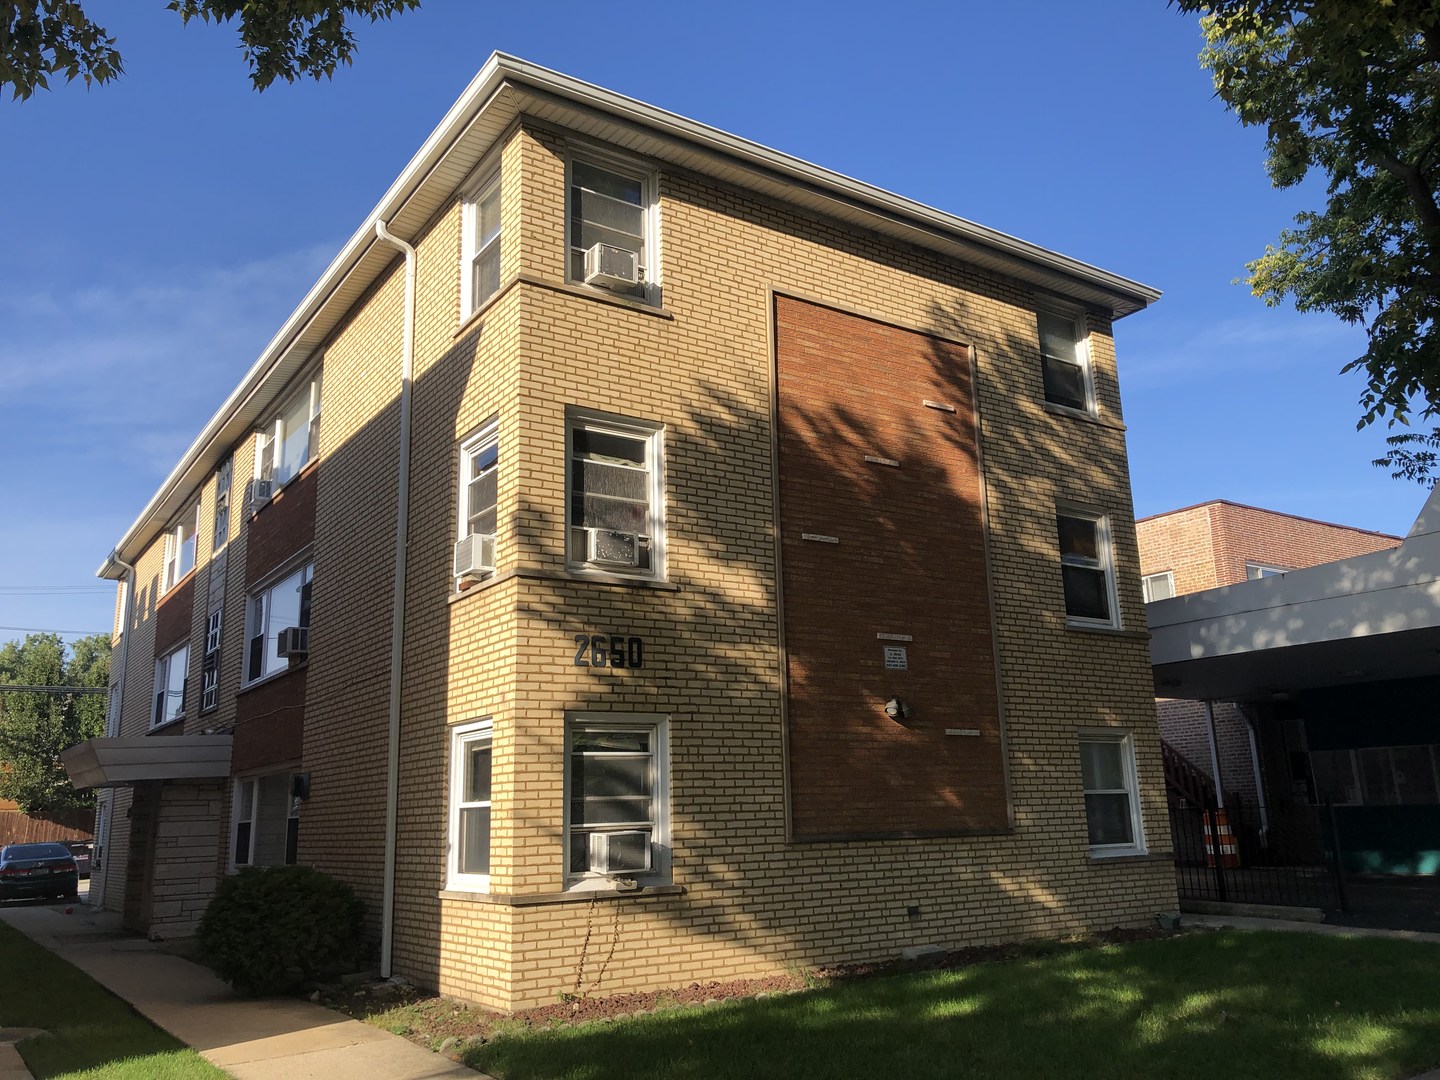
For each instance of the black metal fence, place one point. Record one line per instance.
(1237, 855)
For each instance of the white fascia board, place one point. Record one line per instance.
(798, 169)
(498, 71)
(433, 149)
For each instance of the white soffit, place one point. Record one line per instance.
(503, 89)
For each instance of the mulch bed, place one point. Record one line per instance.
(441, 1022)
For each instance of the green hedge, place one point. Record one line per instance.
(269, 929)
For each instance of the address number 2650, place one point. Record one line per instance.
(609, 650)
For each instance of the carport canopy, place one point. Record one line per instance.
(1370, 618)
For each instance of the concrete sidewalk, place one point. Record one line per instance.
(249, 1039)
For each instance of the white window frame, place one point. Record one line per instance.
(292, 813)
(210, 662)
(1081, 361)
(658, 727)
(1256, 571)
(486, 438)
(176, 540)
(628, 427)
(1148, 589)
(164, 670)
(256, 624)
(253, 783)
(270, 437)
(224, 479)
(1131, 789)
(1104, 562)
(472, 250)
(649, 178)
(462, 737)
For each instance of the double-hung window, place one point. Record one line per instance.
(210, 666)
(1254, 571)
(615, 798)
(614, 495)
(265, 821)
(612, 227)
(170, 671)
(1063, 361)
(481, 256)
(223, 476)
(282, 606)
(181, 545)
(1159, 586)
(1086, 568)
(1112, 799)
(286, 445)
(479, 476)
(469, 858)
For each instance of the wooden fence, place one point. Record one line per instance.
(18, 828)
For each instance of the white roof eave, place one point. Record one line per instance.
(504, 87)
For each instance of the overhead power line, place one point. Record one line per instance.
(22, 689)
(51, 630)
(45, 590)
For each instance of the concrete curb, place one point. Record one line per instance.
(12, 1065)
(1253, 911)
(1240, 922)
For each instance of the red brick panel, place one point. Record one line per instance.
(269, 723)
(283, 526)
(1208, 545)
(1247, 534)
(174, 616)
(910, 560)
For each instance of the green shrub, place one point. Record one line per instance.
(270, 928)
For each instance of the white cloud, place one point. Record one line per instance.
(1270, 341)
(102, 388)
(153, 332)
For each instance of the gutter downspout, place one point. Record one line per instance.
(112, 723)
(1259, 784)
(397, 629)
(1214, 756)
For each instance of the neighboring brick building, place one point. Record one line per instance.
(1219, 543)
(767, 594)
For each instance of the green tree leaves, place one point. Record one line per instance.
(280, 39)
(1351, 91)
(35, 726)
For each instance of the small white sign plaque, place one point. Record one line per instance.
(895, 658)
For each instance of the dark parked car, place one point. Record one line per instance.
(84, 852)
(38, 870)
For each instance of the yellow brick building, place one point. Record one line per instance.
(646, 557)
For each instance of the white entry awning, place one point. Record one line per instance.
(115, 762)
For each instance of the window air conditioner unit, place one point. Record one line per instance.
(619, 852)
(610, 548)
(260, 492)
(475, 555)
(294, 643)
(611, 267)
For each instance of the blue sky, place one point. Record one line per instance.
(159, 230)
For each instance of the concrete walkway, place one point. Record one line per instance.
(249, 1039)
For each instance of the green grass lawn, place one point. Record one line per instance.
(1207, 1006)
(93, 1034)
